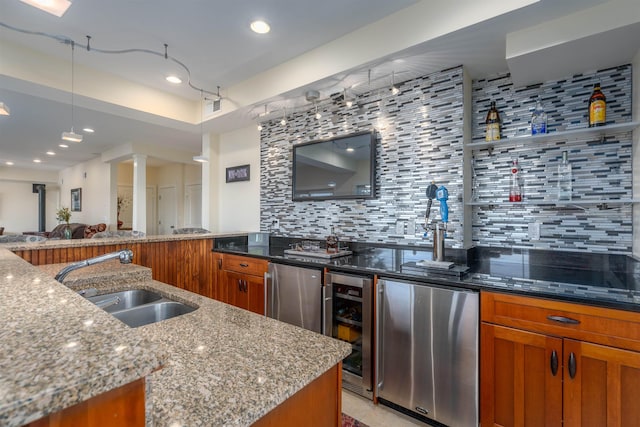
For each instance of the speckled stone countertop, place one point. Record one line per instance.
(57, 349)
(226, 366)
(63, 243)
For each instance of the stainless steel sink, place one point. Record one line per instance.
(138, 307)
(151, 313)
(127, 299)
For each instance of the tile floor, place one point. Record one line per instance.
(375, 415)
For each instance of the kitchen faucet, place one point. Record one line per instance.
(125, 255)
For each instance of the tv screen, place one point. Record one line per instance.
(338, 168)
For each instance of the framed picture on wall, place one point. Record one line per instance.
(238, 173)
(76, 199)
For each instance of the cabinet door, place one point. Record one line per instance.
(234, 289)
(600, 385)
(518, 385)
(255, 289)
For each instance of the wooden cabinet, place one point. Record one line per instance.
(549, 363)
(241, 282)
(187, 264)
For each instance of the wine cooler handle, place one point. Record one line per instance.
(572, 365)
(554, 363)
(327, 309)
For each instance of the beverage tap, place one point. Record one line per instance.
(431, 194)
(439, 229)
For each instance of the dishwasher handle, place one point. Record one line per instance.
(267, 287)
(379, 344)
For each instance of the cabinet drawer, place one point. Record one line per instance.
(616, 328)
(240, 264)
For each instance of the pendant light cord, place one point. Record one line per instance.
(72, 80)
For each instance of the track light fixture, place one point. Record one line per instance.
(72, 136)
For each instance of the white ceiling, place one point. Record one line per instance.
(213, 40)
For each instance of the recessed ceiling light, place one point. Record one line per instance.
(63, 146)
(88, 130)
(4, 109)
(54, 7)
(174, 79)
(350, 150)
(8, 163)
(37, 161)
(51, 153)
(200, 159)
(260, 27)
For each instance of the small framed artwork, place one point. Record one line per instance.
(238, 173)
(76, 199)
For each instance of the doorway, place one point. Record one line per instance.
(167, 210)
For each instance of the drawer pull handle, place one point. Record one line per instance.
(565, 320)
(572, 365)
(242, 264)
(554, 363)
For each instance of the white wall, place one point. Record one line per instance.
(18, 203)
(93, 177)
(238, 204)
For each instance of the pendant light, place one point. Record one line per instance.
(283, 122)
(72, 136)
(394, 88)
(201, 158)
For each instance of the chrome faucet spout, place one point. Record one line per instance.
(125, 256)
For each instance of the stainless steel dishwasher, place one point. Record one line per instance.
(294, 295)
(427, 351)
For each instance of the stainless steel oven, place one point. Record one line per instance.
(348, 316)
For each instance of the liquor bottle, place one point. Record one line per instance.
(515, 190)
(492, 132)
(538, 120)
(597, 107)
(564, 178)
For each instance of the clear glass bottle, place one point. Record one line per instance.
(564, 178)
(538, 120)
(515, 189)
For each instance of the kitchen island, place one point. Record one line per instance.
(221, 365)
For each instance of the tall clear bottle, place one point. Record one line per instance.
(538, 120)
(564, 178)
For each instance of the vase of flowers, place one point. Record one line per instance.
(64, 215)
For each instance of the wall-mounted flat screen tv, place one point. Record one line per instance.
(342, 167)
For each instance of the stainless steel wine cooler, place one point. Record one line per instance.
(348, 317)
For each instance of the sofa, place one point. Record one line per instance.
(78, 231)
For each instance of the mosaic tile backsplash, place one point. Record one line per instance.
(420, 134)
(420, 140)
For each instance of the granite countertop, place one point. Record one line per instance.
(58, 349)
(606, 280)
(63, 243)
(225, 366)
